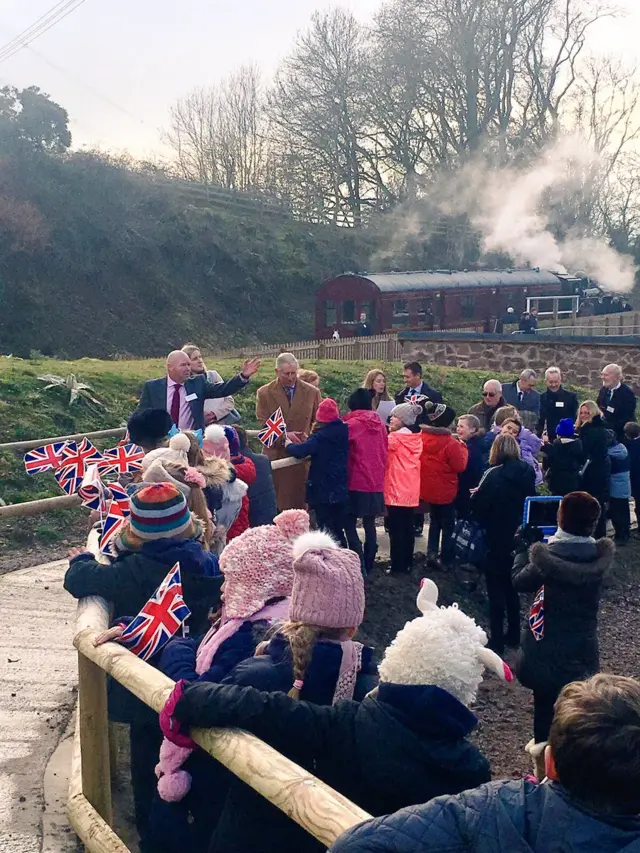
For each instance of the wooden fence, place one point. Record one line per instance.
(323, 812)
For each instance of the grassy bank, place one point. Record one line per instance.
(27, 411)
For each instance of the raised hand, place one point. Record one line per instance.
(251, 366)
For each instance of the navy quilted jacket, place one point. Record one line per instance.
(500, 817)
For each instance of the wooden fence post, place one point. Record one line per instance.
(391, 348)
(94, 736)
(357, 349)
(322, 350)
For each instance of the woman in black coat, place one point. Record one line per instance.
(597, 473)
(497, 505)
(570, 569)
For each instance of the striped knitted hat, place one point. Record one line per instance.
(160, 511)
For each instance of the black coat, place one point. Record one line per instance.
(563, 461)
(498, 507)
(619, 410)
(554, 406)
(261, 494)
(130, 581)
(633, 448)
(430, 393)
(328, 448)
(477, 463)
(595, 444)
(572, 576)
(154, 394)
(405, 746)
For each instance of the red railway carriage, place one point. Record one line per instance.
(441, 299)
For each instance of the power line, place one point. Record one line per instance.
(43, 24)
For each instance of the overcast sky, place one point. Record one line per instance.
(117, 65)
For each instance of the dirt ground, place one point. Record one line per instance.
(505, 711)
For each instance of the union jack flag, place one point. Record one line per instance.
(159, 619)
(123, 459)
(536, 615)
(92, 489)
(73, 467)
(46, 458)
(113, 521)
(274, 428)
(120, 495)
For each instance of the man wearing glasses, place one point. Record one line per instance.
(492, 399)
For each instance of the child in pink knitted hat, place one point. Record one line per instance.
(313, 655)
(258, 571)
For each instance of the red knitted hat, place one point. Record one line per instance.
(327, 411)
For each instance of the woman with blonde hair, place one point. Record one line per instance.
(376, 381)
(497, 505)
(219, 411)
(596, 472)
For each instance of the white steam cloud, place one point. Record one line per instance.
(513, 209)
(512, 215)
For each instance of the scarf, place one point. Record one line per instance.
(562, 536)
(350, 666)
(217, 634)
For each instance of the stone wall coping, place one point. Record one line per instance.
(594, 340)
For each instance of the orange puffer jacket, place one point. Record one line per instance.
(443, 458)
(402, 474)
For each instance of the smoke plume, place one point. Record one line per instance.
(514, 210)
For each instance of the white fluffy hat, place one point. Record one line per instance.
(177, 451)
(444, 647)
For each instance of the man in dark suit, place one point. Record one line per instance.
(616, 401)
(412, 375)
(414, 386)
(556, 403)
(183, 397)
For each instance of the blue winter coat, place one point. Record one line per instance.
(620, 480)
(633, 447)
(500, 817)
(178, 658)
(477, 464)
(262, 494)
(328, 448)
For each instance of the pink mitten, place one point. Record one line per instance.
(168, 723)
(173, 782)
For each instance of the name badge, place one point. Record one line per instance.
(610, 409)
(559, 404)
(191, 397)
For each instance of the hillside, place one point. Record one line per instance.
(98, 259)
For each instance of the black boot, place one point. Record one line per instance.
(370, 551)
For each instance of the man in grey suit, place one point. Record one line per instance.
(522, 393)
(183, 397)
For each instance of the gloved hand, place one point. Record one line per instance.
(168, 723)
(526, 536)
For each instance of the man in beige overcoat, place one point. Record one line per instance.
(299, 402)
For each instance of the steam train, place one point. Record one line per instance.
(431, 299)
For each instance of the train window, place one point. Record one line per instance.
(348, 311)
(468, 306)
(367, 309)
(330, 313)
(400, 312)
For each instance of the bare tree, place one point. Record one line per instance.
(217, 134)
(317, 112)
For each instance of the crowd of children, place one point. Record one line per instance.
(276, 607)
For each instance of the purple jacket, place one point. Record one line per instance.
(368, 447)
(530, 445)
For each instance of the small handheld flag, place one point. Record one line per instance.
(274, 428)
(46, 458)
(123, 459)
(536, 615)
(159, 619)
(113, 521)
(92, 489)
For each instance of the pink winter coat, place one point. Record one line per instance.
(367, 451)
(402, 477)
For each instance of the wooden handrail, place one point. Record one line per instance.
(42, 442)
(315, 806)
